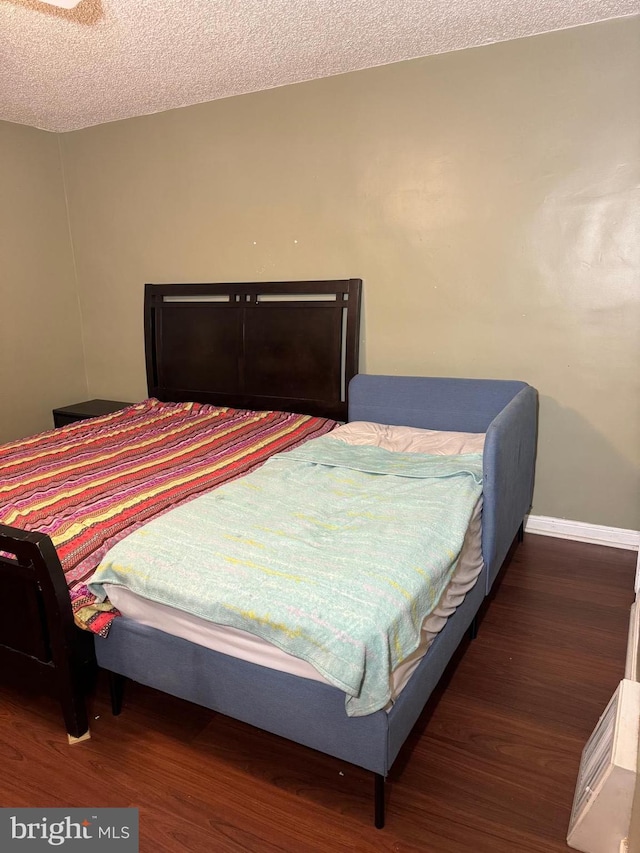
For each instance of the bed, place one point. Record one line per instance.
(293, 347)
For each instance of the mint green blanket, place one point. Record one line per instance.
(335, 553)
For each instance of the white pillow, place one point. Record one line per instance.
(403, 439)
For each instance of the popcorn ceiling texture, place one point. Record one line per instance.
(113, 59)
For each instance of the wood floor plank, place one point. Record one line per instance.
(490, 766)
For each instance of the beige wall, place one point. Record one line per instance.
(488, 198)
(41, 358)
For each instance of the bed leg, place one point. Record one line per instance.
(116, 692)
(74, 709)
(521, 533)
(379, 801)
(473, 628)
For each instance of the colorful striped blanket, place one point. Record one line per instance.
(89, 484)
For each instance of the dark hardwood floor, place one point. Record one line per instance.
(489, 768)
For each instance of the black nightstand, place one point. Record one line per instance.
(87, 409)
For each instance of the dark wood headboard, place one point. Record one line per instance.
(290, 346)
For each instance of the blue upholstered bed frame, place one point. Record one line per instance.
(312, 713)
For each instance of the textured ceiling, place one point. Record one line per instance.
(113, 59)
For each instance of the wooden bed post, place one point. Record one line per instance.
(74, 710)
(38, 637)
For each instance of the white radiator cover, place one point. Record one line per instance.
(601, 812)
(602, 805)
(632, 667)
(603, 800)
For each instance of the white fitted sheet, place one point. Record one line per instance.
(242, 644)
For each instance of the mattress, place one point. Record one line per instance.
(241, 644)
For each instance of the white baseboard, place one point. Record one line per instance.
(581, 531)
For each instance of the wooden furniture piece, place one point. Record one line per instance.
(38, 638)
(87, 409)
(288, 346)
(294, 344)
